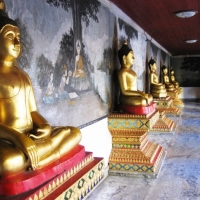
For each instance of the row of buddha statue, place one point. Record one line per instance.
(27, 141)
(129, 94)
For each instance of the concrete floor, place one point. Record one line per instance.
(179, 178)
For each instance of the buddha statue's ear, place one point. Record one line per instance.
(124, 59)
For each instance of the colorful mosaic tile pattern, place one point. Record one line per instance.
(122, 121)
(80, 183)
(128, 160)
(166, 104)
(131, 167)
(163, 102)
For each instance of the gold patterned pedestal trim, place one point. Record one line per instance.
(130, 160)
(129, 138)
(132, 154)
(75, 184)
(130, 121)
(163, 125)
(166, 104)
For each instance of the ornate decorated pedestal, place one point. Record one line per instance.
(166, 109)
(166, 104)
(132, 154)
(73, 177)
(163, 125)
(176, 101)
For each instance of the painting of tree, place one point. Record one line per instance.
(191, 77)
(45, 67)
(81, 10)
(129, 30)
(191, 64)
(105, 65)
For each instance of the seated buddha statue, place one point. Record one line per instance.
(27, 141)
(169, 86)
(172, 79)
(129, 94)
(157, 89)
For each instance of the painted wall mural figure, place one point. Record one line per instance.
(62, 93)
(49, 97)
(79, 71)
(65, 90)
(80, 80)
(27, 141)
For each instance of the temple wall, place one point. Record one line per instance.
(79, 89)
(187, 74)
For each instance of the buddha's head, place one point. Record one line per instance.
(10, 46)
(152, 64)
(164, 69)
(172, 71)
(126, 55)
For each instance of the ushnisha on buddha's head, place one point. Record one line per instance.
(10, 46)
(126, 55)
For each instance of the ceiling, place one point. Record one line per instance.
(157, 18)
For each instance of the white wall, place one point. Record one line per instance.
(190, 93)
(97, 139)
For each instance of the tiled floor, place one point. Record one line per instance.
(179, 178)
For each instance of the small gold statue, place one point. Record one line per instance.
(172, 79)
(157, 89)
(129, 94)
(27, 141)
(169, 86)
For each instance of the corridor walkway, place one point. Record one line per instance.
(179, 178)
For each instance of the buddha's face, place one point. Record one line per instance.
(129, 59)
(153, 67)
(172, 72)
(165, 71)
(9, 43)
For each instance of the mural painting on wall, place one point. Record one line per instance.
(67, 56)
(190, 72)
(136, 41)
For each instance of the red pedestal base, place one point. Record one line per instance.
(138, 110)
(29, 180)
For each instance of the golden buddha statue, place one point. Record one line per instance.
(172, 79)
(129, 94)
(27, 141)
(169, 86)
(157, 89)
